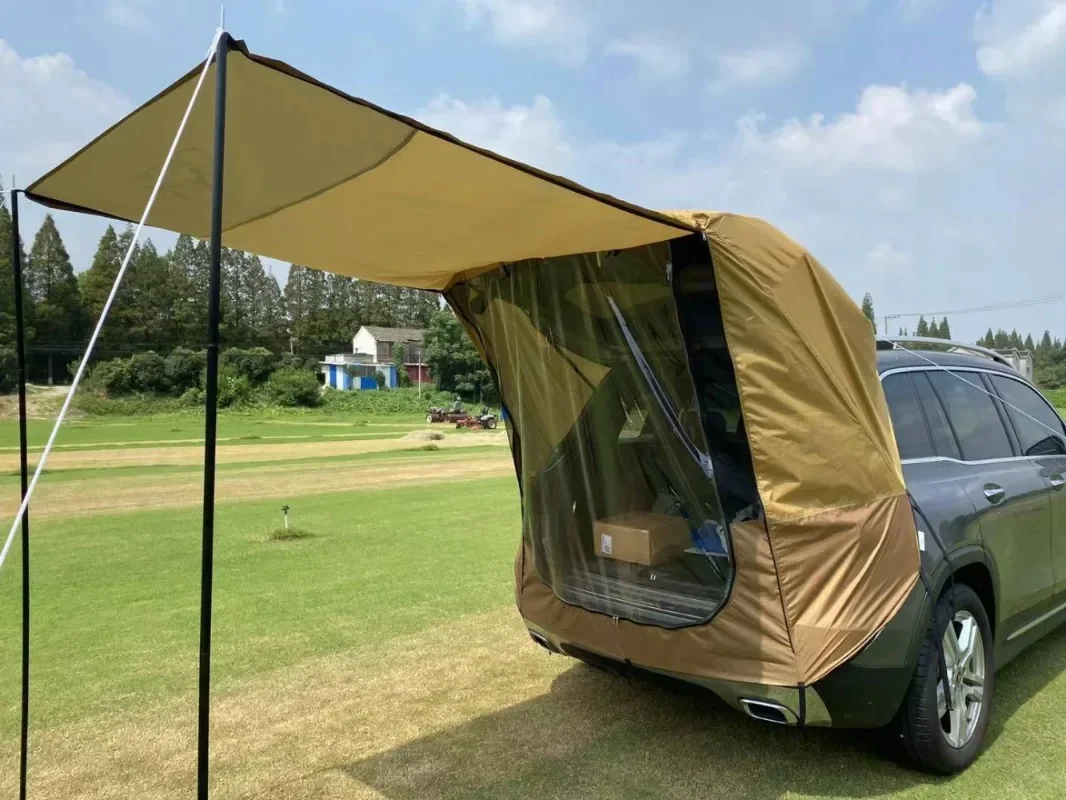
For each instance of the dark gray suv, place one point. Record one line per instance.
(984, 458)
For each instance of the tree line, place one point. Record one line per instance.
(1049, 355)
(162, 303)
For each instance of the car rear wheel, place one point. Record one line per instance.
(944, 716)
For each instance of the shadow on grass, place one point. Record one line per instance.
(595, 735)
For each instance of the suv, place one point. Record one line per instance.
(984, 458)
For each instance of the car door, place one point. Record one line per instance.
(1006, 488)
(1042, 438)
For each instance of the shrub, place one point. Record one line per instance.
(296, 361)
(147, 372)
(111, 377)
(183, 368)
(126, 406)
(192, 397)
(293, 388)
(397, 401)
(234, 390)
(254, 364)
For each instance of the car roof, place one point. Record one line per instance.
(895, 359)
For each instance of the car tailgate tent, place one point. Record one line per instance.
(320, 178)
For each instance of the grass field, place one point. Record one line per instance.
(382, 657)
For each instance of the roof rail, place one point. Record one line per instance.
(891, 341)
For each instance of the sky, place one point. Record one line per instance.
(916, 147)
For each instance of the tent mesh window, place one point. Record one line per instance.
(620, 508)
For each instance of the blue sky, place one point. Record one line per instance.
(918, 147)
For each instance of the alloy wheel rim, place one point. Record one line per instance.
(964, 659)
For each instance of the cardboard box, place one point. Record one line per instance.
(641, 537)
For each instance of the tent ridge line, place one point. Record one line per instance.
(347, 178)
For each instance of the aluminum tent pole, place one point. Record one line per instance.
(24, 471)
(211, 425)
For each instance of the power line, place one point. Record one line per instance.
(1029, 301)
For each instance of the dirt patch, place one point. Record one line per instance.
(155, 456)
(103, 496)
(41, 401)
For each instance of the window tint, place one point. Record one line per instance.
(943, 439)
(973, 415)
(1036, 439)
(912, 437)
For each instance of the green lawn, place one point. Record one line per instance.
(382, 658)
(189, 428)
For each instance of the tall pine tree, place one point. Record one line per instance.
(868, 309)
(59, 316)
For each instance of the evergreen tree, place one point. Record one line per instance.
(8, 361)
(191, 312)
(868, 309)
(1045, 341)
(988, 339)
(1015, 340)
(453, 362)
(1029, 343)
(58, 313)
(1001, 340)
(945, 329)
(923, 327)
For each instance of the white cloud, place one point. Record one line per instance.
(892, 128)
(49, 108)
(131, 14)
(530, 133)
(758, 66)
(1015, 44)
(762, 42)
(551, 24)
(656, 58)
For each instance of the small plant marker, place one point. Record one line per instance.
(285, 511)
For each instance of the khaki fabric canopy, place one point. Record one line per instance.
(320, 178)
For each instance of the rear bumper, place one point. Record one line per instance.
(865, 692)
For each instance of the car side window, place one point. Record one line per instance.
(943, 439)
(1041, 433)
(912, 435)
(973, 415)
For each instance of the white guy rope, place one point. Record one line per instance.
(110, 299)
(947, 369)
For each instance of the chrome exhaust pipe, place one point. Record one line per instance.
(543, 641)
(769, 711)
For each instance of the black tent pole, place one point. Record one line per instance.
(211, 408)
(20, 352)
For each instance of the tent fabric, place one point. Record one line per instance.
(836, 554)
(320, 178)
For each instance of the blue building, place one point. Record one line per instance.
(373, 355)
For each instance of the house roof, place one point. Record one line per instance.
(394, 334)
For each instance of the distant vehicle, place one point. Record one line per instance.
(437, 414)
(484, 420)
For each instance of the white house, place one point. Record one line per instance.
(372, 354)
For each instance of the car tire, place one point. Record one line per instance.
(934, 738)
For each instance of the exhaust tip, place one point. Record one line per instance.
(769, 711)
(543, 641)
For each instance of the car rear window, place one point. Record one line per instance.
(1038, 427)
(973, 415)
(912, 435)
(943, 439)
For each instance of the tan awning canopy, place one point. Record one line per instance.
(318, 177)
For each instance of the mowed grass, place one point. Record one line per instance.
(163, 429)
(383, 658)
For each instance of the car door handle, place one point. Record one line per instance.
(993, 493)
(1057, 481)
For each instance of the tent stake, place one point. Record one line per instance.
(24, 472)
(211, 426)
